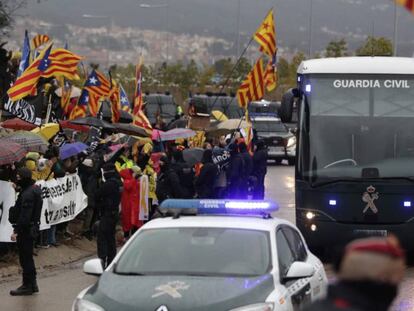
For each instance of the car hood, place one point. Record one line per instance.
(127, 293)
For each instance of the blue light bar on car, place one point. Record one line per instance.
(234, 207)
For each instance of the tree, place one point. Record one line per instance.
(8, 9)
(336, 48)
(376, 47)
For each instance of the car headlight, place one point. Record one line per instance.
(291, 142)
(85, 305)
(256, 307)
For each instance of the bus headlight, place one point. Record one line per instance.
(291, 142)
(310, 215)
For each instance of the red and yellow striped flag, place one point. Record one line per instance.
(252, 87)
(140, 119)
(115, 100)
(265, 35)
(98, 84)
(270, 76)
(93, 104)
(39, 40)
(408, 4)
(49, 63)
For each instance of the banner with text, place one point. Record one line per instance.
(63, 200)
(7, 199)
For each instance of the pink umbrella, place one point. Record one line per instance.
(115, 147)
(173, 134)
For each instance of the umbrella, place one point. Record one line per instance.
(74, 92)
(47, 130)
(28, 140)
(226, 127)
(93, 121)
(131, 129)
(79, 128)
(18, 124)
(69, 150)
(180, 123)
(173, 134)
(218, 115)
(125, 117)
(193, 156)
(11, 152)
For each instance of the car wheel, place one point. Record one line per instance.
(278, 161)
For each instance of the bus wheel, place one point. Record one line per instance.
(278, 161)
(291, 161)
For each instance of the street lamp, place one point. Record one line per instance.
(310, 28)
(159, 6)
(108, 29)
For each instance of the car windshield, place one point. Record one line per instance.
(269, 126)
(358, 126)
(197, 251)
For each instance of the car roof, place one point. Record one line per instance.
(233, 222)
(254, 119)
(358, 65)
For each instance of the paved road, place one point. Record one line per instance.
(59, 288)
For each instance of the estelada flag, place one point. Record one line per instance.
(49, 63)
(98, 84)
(39, 40)
(125, 105)
(79, 111)
(265, 35)
(408, 4)
(252, 87)
(140, 119)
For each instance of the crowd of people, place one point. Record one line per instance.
(113, 176)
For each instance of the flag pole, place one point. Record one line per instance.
(234, 68)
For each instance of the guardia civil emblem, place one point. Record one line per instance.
(369, 197)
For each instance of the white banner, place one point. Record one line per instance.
(63, 200)
(143, 198)
(7, 199)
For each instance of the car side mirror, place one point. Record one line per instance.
(93, 267)
(299, 270)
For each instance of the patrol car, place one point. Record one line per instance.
(280, 140)
(210, 255)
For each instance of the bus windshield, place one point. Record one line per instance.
(357, 126)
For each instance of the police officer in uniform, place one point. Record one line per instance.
(109, 198)
(25, 218)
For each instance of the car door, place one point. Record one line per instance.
(318, 280)
(289, 250)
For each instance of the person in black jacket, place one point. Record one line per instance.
(246, 171)
(165, 187)
(185, 187)
(109, 198)
(204, 183)
(25, 218)
(234, 172)
(260, 169)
